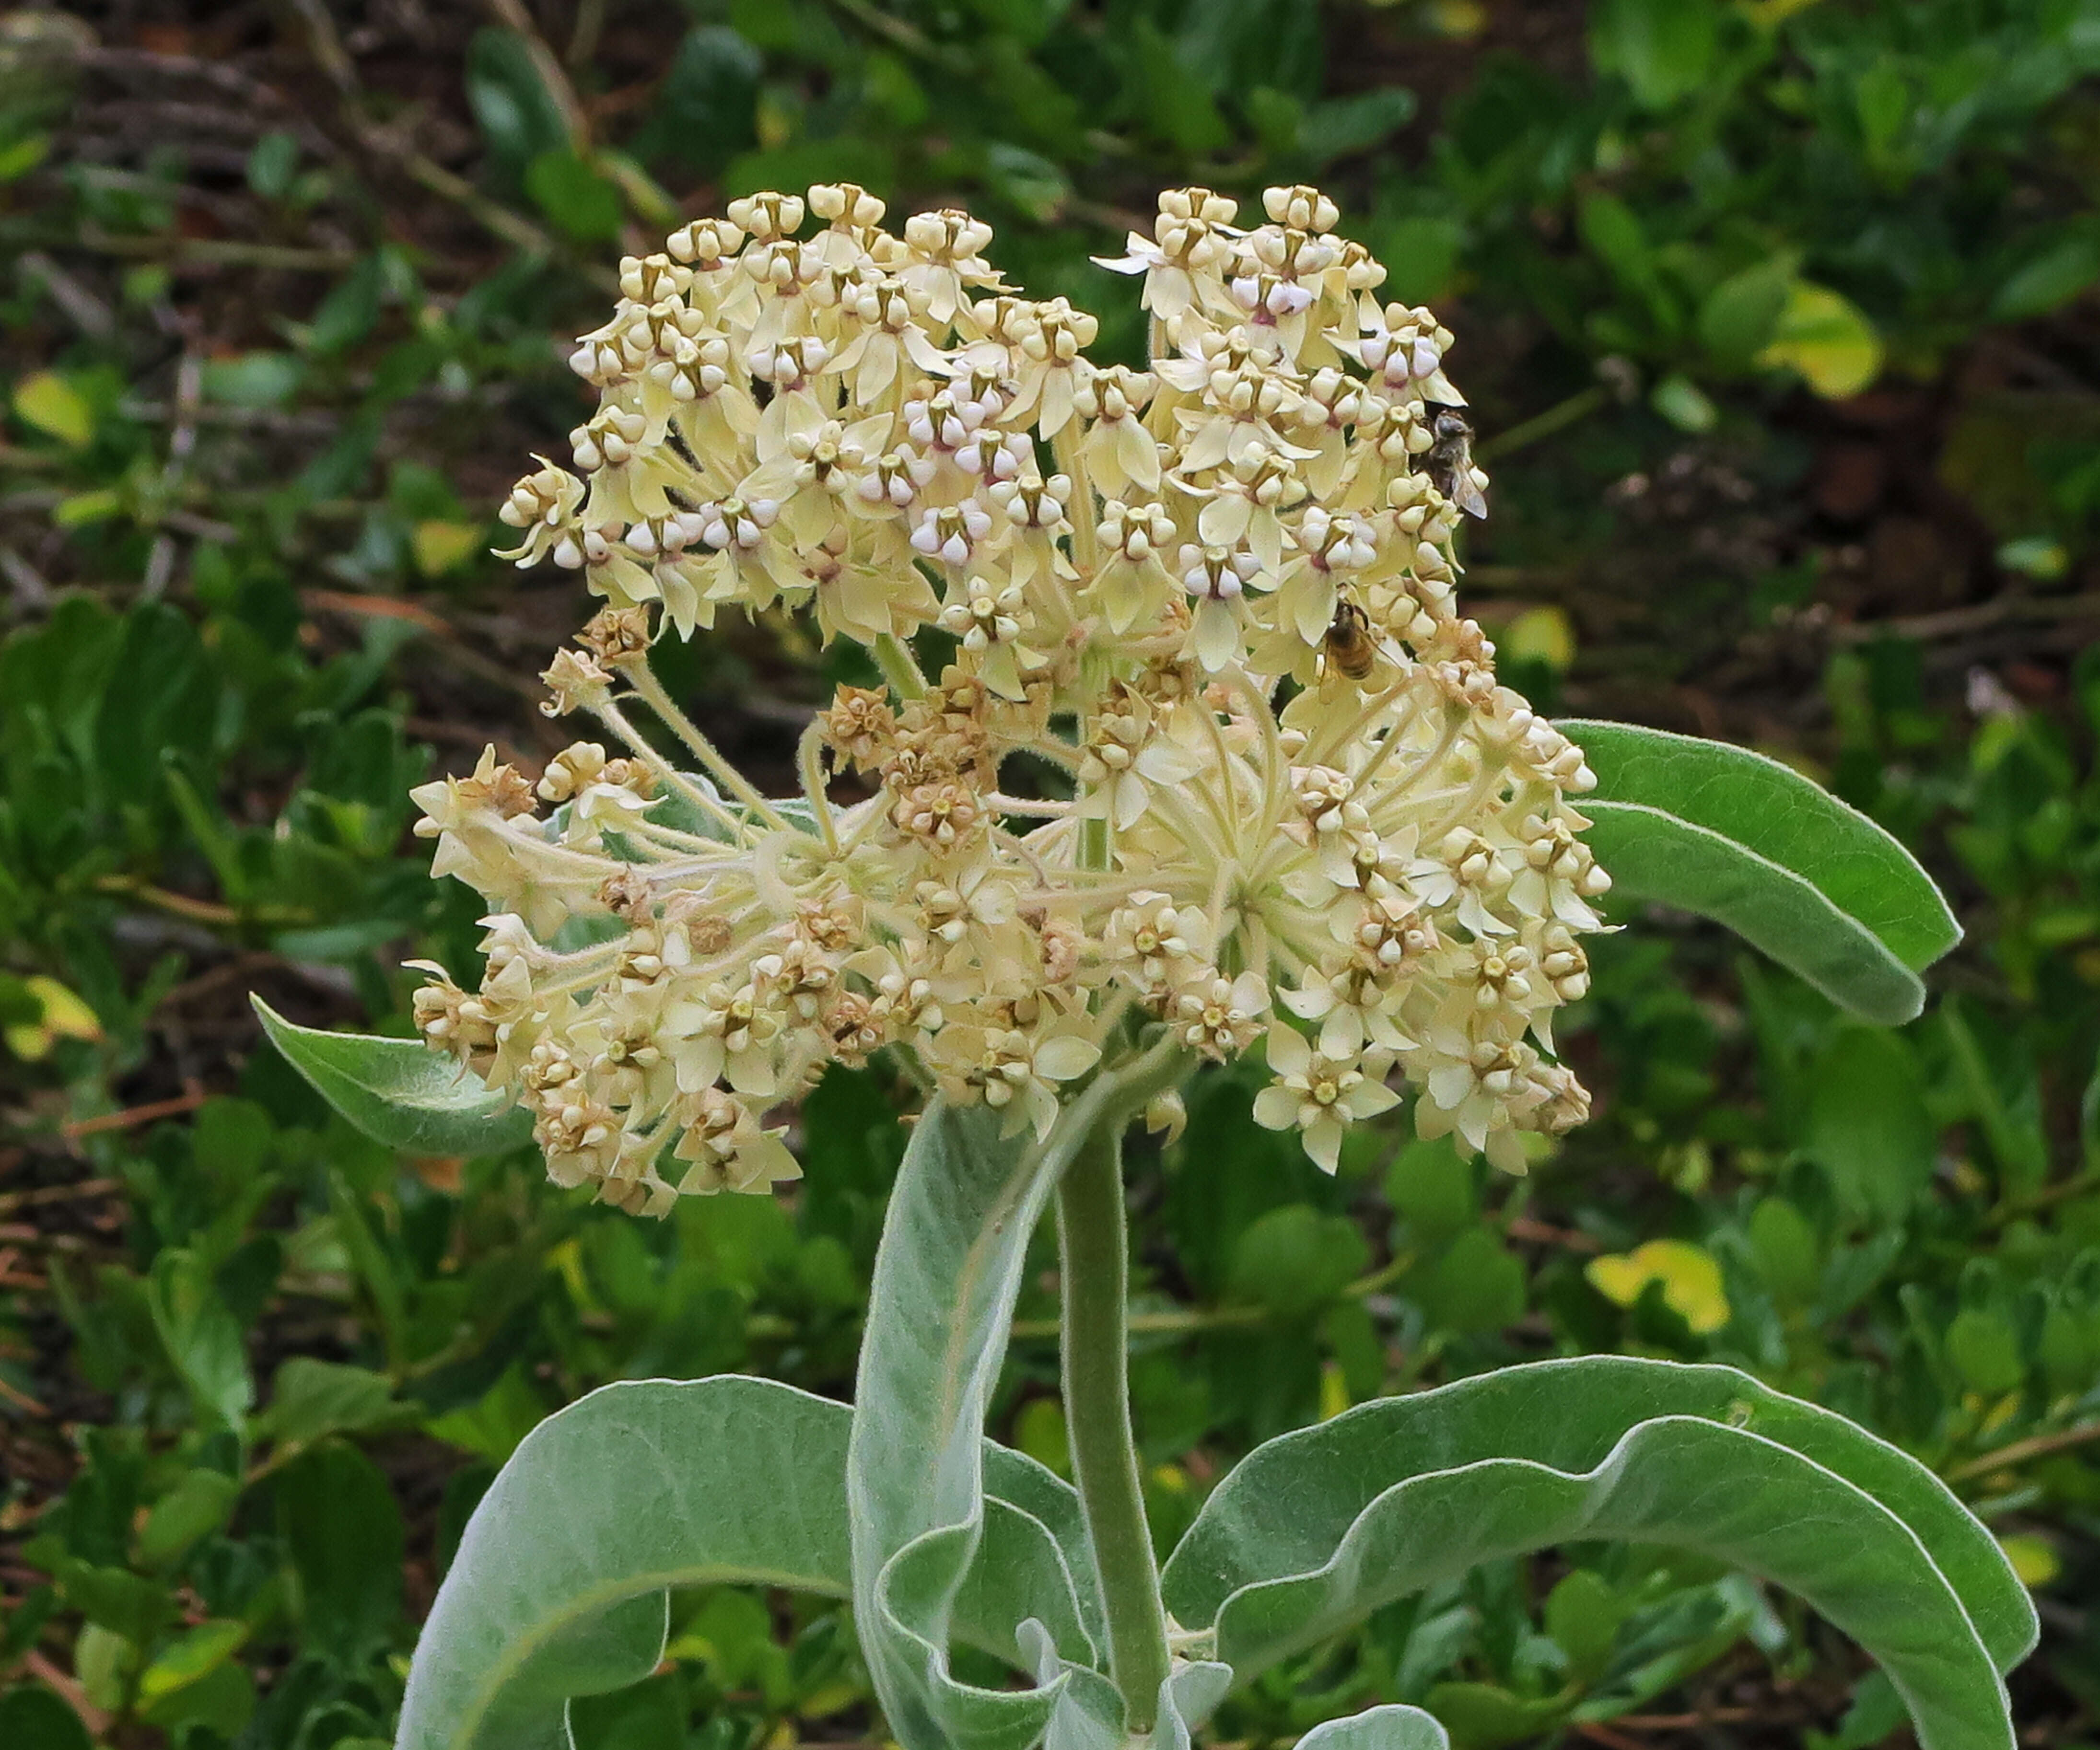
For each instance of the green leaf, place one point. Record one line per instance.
(707, 109)
(518, 116)
(253, 379)
(1389, 1727)
(1477, 1284)
(1753, 844)
(1582, 1615)
(114, 1599)
(222, 1700)
(1867, 1122)
(2050, 280)
(33, 1717)
(203, 1338)
(1293, 1260)
(399, 1091)
(272, 163)
(558, 1586)
(310, 1398)
(1985, 1351)
(1663, 48)
(1339, 126)
(1485, 1716)
(1683, 403)
(198, 1505)
(1738, 317)
(1319, 1527)
(189, 1659)
(954, 1244)
(344, 1533)
(584, 204)
(1785, 1248)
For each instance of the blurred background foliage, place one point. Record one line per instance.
(1779, 317)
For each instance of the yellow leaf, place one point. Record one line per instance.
(1540, 634)
(65, 1016)
(84, 508)
(1461, 20)
(1690, 1278)
(441, 546)
(64, 1013)
(1334, 1391)
(1769, 14)
(1039, 1431)
(51, 404)
(2033, 1560)
(1827, 339)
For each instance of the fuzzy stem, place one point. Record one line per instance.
(809, 758)
(1092, 1247)
(651, 692)
(899, 667)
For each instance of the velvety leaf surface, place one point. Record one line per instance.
(1317, 1527)
(399, 1091)
(1390, 1727)
(1741, 839)
(558, 1588)
(954, 1243)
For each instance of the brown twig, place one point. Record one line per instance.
(2036, 1446)
(1684, 1722)
(1958, 622)
(12, 1201)
(455, 649)
(1604, 1735)
(1569, 1239)
(69, 1689)
(177, 905)
(376, 607)
(217, 252)
(134, 1116)
(21, 1399)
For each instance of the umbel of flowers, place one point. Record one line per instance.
(1208, 748)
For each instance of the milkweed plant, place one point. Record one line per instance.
(1183, 751)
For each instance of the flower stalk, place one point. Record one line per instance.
(1093, 1268)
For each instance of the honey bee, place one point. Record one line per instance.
(1449, 463)
(1348, 644)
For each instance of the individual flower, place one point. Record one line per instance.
(1319, 1095)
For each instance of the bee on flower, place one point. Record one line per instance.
(1359, 858)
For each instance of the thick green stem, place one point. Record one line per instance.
(899, 667)
(1094, 1270)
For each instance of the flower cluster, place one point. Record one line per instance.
(1206, 748)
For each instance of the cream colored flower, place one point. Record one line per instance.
(1214, 727)
(1319, 1095)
